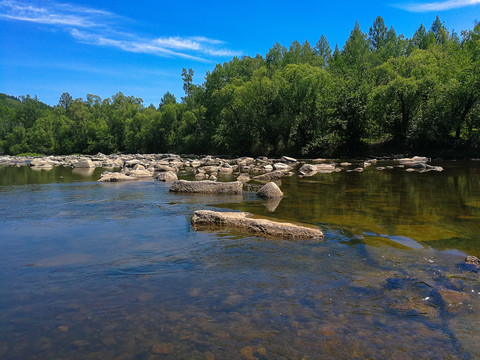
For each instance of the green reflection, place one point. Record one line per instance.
(24, 175)
(441, 209)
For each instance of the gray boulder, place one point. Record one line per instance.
(84, 164)
(243, 177)
(167, 176)
(288, 159)
(308, 169)
(140, 171)
(280, 166)
(270, 190)
(115, 177)
(207, 187)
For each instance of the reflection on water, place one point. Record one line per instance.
(114, 271)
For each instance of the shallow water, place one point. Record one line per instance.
(115, 271)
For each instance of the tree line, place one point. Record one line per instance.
(379, 88)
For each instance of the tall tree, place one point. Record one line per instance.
(355, 51)
(439, 31)
(275, 56)
(166, 99)
(377, 34)
(187, 77)
(323, 51)
(65, 101)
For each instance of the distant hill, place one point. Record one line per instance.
(14, 101)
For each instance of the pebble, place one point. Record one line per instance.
(80, 343)
(163, 348)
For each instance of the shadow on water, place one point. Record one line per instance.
(97, 271)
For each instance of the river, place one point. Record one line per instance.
(115, 271)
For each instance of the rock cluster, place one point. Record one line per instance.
(418, 164)
(260, 169)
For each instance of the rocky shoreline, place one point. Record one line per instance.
(244, 169)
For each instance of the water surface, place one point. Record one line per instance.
(115, 271)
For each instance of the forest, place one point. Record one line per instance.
(381, 90)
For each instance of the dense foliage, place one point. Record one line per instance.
(305, 100)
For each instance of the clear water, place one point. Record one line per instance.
(115, 271)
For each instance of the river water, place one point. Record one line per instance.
(115, 271)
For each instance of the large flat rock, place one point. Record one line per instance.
(242, 221)
(115, 177)
(207, 187)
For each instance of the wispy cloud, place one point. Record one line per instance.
(437, 6)
(141, 46)
(100, 28)
(54, 14)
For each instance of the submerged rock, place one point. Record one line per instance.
(472, 260)
(207, 187)
(163, 348)
(275, 175)
(453, 298)
(243, 177)
(270, 190)
(261, 227)
(325, 168)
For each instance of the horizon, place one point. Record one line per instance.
(82, 48)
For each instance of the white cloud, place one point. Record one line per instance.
(438, 5)
(129, 45)
(207, 40)
(99, 27)
(178, 43)
(53, 14)
(222, 52)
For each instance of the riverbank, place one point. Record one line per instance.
(206, 166)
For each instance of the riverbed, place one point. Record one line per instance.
(115, 271)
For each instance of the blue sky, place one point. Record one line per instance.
(140, 47)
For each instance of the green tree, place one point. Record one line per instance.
(166, 99)
(377, 34)
(323, 51)
(65, 101)
(187, 77)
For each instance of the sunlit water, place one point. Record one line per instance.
(115, 271)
